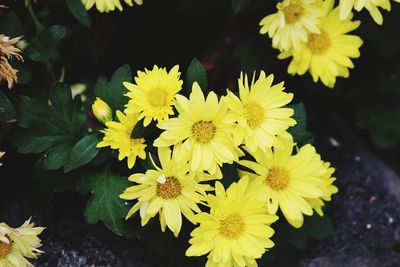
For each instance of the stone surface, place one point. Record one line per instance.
(365, 212)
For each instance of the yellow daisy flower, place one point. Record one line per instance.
(17, 244)
(200, 133)
(287, 180)
(289, 27)
(108, 5)
(118, 136)
(258, 111)
(169, 190)
(328, 188)
(327, 55)
(237, 229)
(153, 95)
(346, 6)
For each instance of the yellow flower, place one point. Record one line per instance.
(289, 27)
(118, 136)
(7, 52)
(109, 5)
(168, 191)
(102, 110)
(258, 111)
(153, 95)
(372, 6)
(327, 55)
(328, 188)
(17, 244)
(202, 127)
(287, 181)
(236, 231)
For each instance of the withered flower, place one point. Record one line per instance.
(7, 52)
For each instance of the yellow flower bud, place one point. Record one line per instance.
(102, 110)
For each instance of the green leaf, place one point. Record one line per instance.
(11, 25)
(78, 10)
(50, 129)
(56, 156)
(7, 111)
(250, 61)
(382, 119)
(105, 204)
(196, 73)
(314, 227)
(82, 152)
(43, 47)
(230, 174)
(299, 131)
(112, 92)
(239, 5)
(24, 72)
(138, 131)
(60, 97)
(36, 141)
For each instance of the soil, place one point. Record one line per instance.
(365, 214)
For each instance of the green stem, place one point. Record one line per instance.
(39, 26)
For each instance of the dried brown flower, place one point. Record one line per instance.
(7, 52)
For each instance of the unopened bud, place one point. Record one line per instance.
(102, 110)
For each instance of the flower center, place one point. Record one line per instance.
(137, 141)
(203, 131)
(170, 189)
(318, 43)
(158, 98)
(5, 249)
(293, 12)
(277, 178)
(232, 226)
(254, 114)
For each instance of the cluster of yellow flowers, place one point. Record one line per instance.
(17, 244)
(198, 135)
(315, 34)
(109, 5)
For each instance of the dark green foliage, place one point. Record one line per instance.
(196, 73)
(7, 111)
(82, 152)
(314, 227)
(299, 132)
(105, 204)
(53, 129)
(43, 47)
(239, 5)
(112, 92)
(78, 10)
(230, 174)
(11, 25)
(249, 61)
(382, 119)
